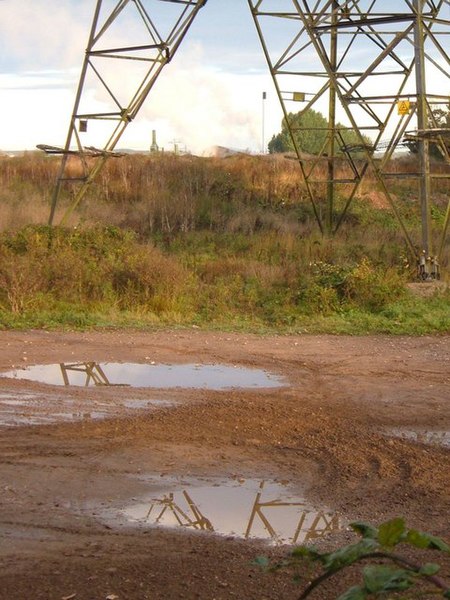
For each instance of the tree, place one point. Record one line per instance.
(442, 116)
(310, 129)
(439, 119)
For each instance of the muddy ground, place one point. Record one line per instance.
(327, 434)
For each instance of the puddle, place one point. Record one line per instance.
(43, 419)
(423, 436)
(18, 409)
(214, 377)
(142, 404)
(5, 397)
(14, 402)
(241, 508)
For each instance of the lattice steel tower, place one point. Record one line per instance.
(378, 69)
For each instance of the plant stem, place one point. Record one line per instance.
(399, 560)
(413, 565)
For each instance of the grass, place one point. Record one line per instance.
(229, 244)
(413, 320)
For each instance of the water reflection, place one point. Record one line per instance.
(18, 408)
(94, 373)
(422, 436)
(216, 377)
(244, 508)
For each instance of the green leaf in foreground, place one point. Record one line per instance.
(261, 561)
(365, 529)
(381, 578)
(392, 573)
(419, 539)
(391, 532)
(429, 569)
(347, 555)
(308, 552)
(353, 593)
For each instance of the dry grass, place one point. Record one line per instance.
(167, 195)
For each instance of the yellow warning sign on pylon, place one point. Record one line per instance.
(403, 107)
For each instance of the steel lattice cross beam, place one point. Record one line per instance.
(378, 69)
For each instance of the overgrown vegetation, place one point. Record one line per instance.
(387, 573)
(210, 242)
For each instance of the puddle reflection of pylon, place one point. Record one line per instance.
(321, 525)
(311, 524)
(199, 521)
(93, 370)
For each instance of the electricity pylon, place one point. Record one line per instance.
(130, 43)
(378, 69)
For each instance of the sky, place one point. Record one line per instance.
(209, 95)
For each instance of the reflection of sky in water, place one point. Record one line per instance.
(424, 436)
(18, 408)
(215, 377)
(12, 399)
(244, 508)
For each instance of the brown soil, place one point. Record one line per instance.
(325, 434)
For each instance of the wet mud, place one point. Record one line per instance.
(171, 492)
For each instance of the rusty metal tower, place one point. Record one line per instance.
(130, 43)
(378, 70)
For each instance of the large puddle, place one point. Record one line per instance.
(214, 377)
(245, 508)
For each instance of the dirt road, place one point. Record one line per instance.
(360, 427)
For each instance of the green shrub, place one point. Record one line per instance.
(372, 288)
(386, 571)
(259, 281)
(86, 268)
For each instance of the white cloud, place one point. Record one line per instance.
(203, 107)
(209, 95)
(191, 102)
(24, 128)
(198, 99)
(43, 33)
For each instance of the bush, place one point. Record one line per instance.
(85, 267)
(263, 280)
(372, 288)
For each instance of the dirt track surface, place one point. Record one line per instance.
(325, 434)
